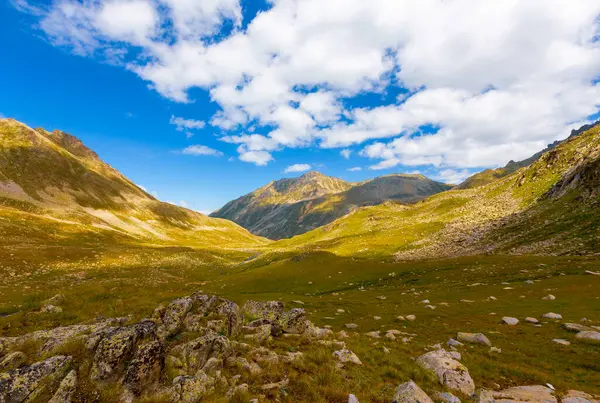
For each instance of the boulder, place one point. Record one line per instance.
(519, 394)
(552, 315)
(173, 316)
(591, 336)
(474, 338)
(259, 334)
(446, 397)
(190, 389)
(575, 396)
(263, 309)
(410, 392)
(66, 389)
(352, 399)
(192, 356)
(13, 360)
(576, 327)
(507, 320)
(531, 320)
(144, 371)
(26, 383)
(294, 321)
(450, 373)
(346, 356)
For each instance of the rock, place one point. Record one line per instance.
(342, 335)
(390, 336)
(549, 297)
(275, 385)
(55, 300)
(346, 356)
(576, 327)
(531, 320)
(66, 389)
(474, 338)
(298, 302)
(454, 343)
(519, 394)
(193, 355)
(352, 399)
(242, 363)
(292, 356)
(264, 356)
(575, 396)
(492, 298)
(261, 334)
(374, 335)
(429, 307)
(376, 317)
(237, 391)
(173, 316)
(450, 373)
(144, 371)
(592, 336)
(51, 309)
(495, 350)
(561, 341)
(26, 383)
(382, 297)
(263, 309)
(117, 347)
(425, 301)
(410, 392)
(12, 361)
(446, 397)
(190, 389)
(351, 325)
(411, 317)
(294, 321)
(593, 273)
(551, 315)
(507, 320)
(317, 333)
(401, 318)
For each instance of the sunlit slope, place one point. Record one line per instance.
(550, 206)
(294, 206)
(53, 187)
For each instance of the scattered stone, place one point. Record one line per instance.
(507, 320)
(531, 320)
(382, 297)
(592, 336)
(519, 394)
(492, 298)
(352, 399)
(351, 325)
(549, 297)
(446, 397)
(376, 317)
(454, 343)
(298, 302)
(593, 273)
(340, 311)
(561, 341)
(528, 282)
(467, 301)
(495, 350)
(576, 327)
(451, 373)
(275, 385)
(429, 307)
(425, 301)
(474, 338)
(375, 335)
(51, 309)
(552, 315)
(342, 334)
(346, 356)
(411, 318)
(410, 392)
(401, 318)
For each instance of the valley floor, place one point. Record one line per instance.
(335, 291)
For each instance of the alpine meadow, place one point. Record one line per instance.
(383, 201)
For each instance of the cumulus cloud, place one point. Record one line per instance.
(201, 150)
(480, 82)
(297, 168)
(183, 124)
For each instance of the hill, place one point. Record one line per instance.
(54, 189)
(289, 207)
(548, 207)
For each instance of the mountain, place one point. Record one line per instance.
(489, 175)
(549, 207)
(289, 207)
(52, 187)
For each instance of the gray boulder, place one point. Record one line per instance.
(474, 338)
(450, 373)
(410, 392)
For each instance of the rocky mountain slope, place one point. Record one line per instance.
(52, 187)
(489, 175)
(548, 207)
(289, 207)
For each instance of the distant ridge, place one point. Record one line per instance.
(289, 207)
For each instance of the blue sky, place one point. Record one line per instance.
(258, 88)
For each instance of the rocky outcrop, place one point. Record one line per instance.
(519, 394)
(66, 389)
(450, 373)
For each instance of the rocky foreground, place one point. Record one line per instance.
(205, 348)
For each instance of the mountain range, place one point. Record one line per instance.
(289, 207)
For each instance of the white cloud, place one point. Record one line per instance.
(297, 168)
(452, 176)
(498, 80)
(189, 124)
(346, 153)
(201, 150)
(355, 169)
